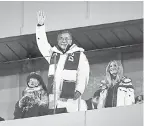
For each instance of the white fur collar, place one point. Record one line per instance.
(72, 49)
(33, 89)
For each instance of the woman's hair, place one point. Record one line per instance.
(38, 77)
(119, 74)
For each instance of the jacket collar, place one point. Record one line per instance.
(72, 49)
(34, 89)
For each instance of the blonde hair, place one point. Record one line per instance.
(119, 74)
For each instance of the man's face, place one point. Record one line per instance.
(64, 40)
(113, 68)
(33, 82)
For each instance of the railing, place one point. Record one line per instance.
(119, 116)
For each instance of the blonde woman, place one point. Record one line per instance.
(120, 90)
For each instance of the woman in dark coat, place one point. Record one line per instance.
(34, 101)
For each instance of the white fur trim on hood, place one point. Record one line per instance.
(72, 49)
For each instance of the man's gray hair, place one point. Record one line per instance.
(64, 32)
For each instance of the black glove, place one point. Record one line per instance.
(27, 101)
(77, 95)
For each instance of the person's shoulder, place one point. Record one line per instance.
(56, 50)
(24, 91)
(126, 81)
(1, 119)
(75, 48)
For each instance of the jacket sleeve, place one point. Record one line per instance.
(18, 112)
(44, 98)
(83, 73)
(42, 42)
(129, 97)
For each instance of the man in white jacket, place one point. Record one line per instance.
(68, 68)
